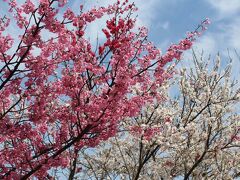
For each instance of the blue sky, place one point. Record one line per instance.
(169, 20)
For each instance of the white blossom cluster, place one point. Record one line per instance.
(194, 136)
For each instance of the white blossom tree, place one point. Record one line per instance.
(193, 136)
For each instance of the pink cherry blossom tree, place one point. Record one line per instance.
(59, 93)
(194, 136)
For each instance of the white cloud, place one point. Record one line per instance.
(165, 25)
(227, 34)
(207, 43)
(233, 32)
(146, 13)
(225, 42)
(225, 7)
